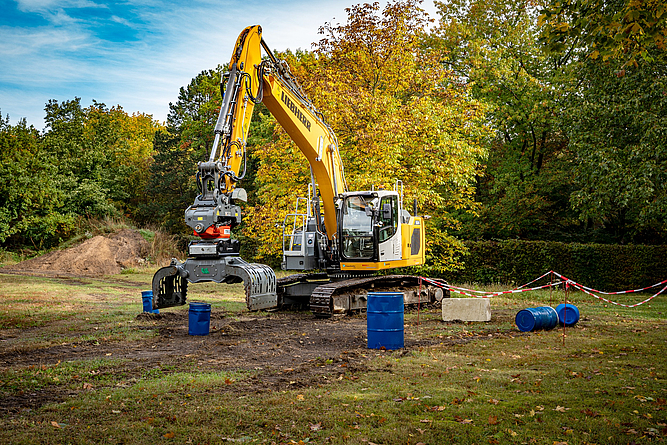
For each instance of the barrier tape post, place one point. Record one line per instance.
(419, 301)
(567, 289)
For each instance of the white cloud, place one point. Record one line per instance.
(177, 40)
(45, 5)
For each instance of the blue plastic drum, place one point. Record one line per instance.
(534, 319)
(147, 299)
(384, 320)
(199, 318)
(568, 314)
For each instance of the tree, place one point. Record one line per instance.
(617, 126)
(31, 199)
(492, 45)
(398, 113)
(614, 114)
(101, 155)
(620, 29)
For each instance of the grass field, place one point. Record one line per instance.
(600, 382)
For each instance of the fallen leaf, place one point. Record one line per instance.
(300, 397)
(55, 424)
(316, 426)
(493, 401)
(169, 435)
(493, 420)
(87, 386)
(560, 409)
(460, 419)
(590, 413)
(425, 421)
(115, 411)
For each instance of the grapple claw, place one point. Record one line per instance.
(169, 288)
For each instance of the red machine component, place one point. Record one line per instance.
(214, 232)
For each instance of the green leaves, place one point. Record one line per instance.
(619, 133)
(627, 30)
(89, 162)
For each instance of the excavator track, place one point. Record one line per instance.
(341, 296)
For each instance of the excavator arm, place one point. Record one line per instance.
(215, 212)
(252, 80)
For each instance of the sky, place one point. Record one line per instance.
(136, 53)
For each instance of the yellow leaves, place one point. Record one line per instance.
(397, 111)
(562, 27)
(541, 20)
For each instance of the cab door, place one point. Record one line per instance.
(388, 232)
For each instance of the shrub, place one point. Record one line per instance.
(607, 267)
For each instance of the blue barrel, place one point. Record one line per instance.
(199, 318)
(534, 319)
(147, 299)
(568, 314)
(384, 320)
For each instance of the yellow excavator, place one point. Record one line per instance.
(347, 236)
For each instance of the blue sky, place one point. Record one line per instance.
(135, 53)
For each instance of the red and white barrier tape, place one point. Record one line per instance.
(608, 293)
(485, 294)
(585, 290)
(567, 281)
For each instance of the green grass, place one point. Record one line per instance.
(471, 383)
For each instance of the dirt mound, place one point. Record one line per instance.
(95, 257)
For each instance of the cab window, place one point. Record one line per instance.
(357, 228)
(388, 218)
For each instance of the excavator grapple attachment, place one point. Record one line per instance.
(169, 288)
(170, 283)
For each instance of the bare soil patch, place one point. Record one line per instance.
(283, 350)
(95, 257)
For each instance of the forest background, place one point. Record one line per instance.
(530, 120)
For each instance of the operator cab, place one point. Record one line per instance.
(370, 228)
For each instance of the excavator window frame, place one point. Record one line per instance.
(387, 226)
(358, 242)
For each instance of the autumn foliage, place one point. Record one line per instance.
(540, 121)
(398, 113)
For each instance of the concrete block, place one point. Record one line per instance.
(466, 309)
